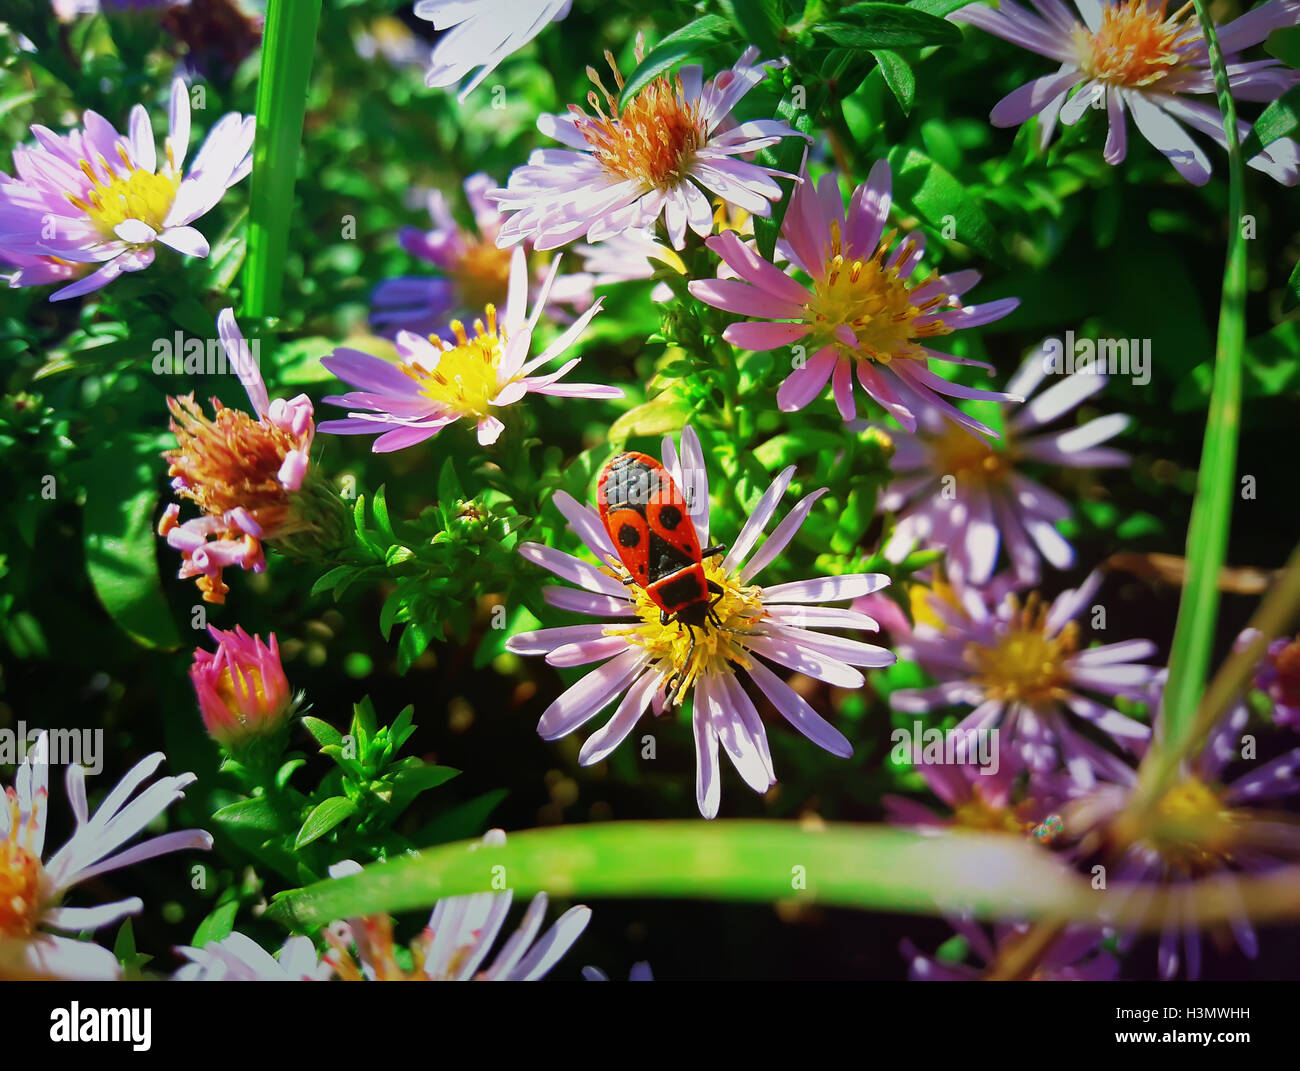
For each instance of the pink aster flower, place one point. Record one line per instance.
(33, 888)
(1021, 666)
(473, 269)
(242, 691)
(100, 198)
(959, 493)
(1076, 956)
(640, 655)
(665, 151)
(1205, 827)
(1132, 56)
(438, 383)
(481, 33)
(250, 476)
(864, 307)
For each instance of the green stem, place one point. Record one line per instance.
(287, 47)
(1207, 534)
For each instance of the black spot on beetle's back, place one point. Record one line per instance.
(628, 536)
(670, 517)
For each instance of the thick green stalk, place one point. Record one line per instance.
(1207, 534)
(287, 47)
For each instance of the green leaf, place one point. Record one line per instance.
(288, 43)
(898, 76)
(120, 542)
(941, 200)
(654, 418)
(323, 731)
(218, 925)
(940, 8)
(251, 814)
(1276, 121)
(760, 22)
(888, 26)
(866, 866)
(324, 817)
(692, 39)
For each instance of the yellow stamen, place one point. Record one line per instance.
(1025, 664)
(140, 195)
(875, 302)
(21, 876)
(1136, 46)
(465, 379)
(716, 651)
(970, 459)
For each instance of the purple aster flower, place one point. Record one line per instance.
(481, 33)
(32, 889)
(438, 383)
(956, 492)
(666, 151)
(865, 307)
(1278, 677)
(1075, 956)
(976, 799)
(1130, 55)
(638, 653)
(100, 198)
(1020, 665)
(474, 270)
(1203, 827)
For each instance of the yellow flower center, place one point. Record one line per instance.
(716, 650)
(465, 379)
(140, 194)
(919, 597)
(652, 138)
(1193, 830)
(1136, 45)
(959, 453)
(21, 878)
(980, 814)
(1025, 664)
(875, 302)
(482, 274)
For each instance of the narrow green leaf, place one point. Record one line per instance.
(323, 818)
(218, 925)
(251, 814)
(692, 39)
(288, 43)
(940, 8)
(924, 186)
(1207, 533)
(1276, 121)
(323, 731)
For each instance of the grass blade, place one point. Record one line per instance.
(287, 47)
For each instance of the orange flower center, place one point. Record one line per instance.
(21, 876)
(482, 274)
(652, 138)
(959, 453)
(1136, 45)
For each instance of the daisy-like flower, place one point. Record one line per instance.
(439, 383)
(961, 494)
(1134, 56)
(103, 199)
(242, 691)
(475, 271)
(641, 656)
(32, 889)
(977, 800)
(1022, 667)
(250, 476)
(1203, 827)
(664, 152)
(861, 309)
(452, 948)
(481, 34)
(1075, 956)
(1278, 677)
(38, 271)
